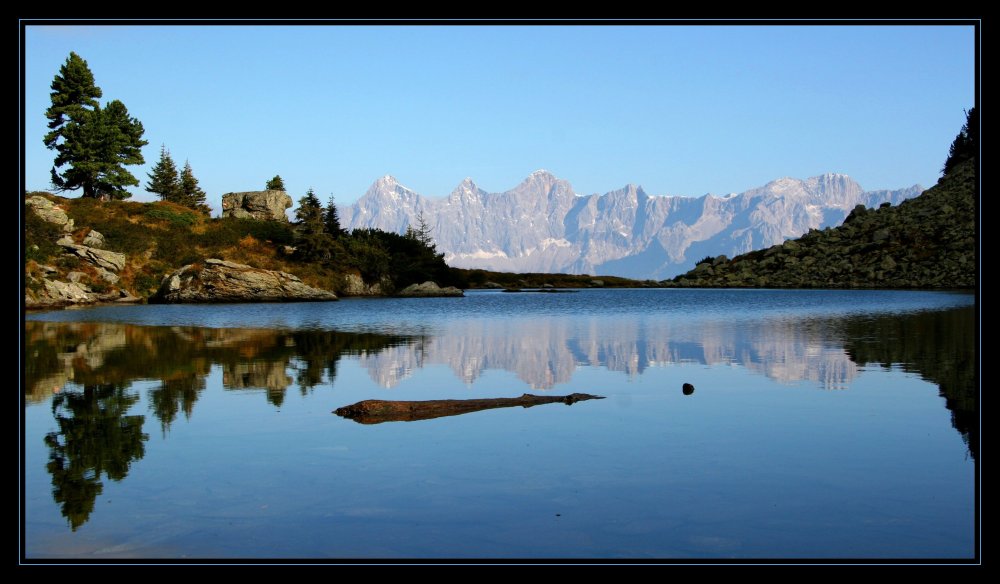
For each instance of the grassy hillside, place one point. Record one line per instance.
(925, 242)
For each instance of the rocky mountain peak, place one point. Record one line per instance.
(387, 181)
(833, 183)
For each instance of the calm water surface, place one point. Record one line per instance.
(824, 424)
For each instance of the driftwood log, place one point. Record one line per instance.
(376, 411)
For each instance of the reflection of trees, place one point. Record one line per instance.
(95, 438)
(181, 357)
(939, 346)
(175, 394)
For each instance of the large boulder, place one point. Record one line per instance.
(262, 205)
(222, 281)
(429, 289)
(50, 212)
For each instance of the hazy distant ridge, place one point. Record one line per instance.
(543, 225)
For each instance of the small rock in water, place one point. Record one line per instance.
(687, 388)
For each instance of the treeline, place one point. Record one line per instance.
(476, 278)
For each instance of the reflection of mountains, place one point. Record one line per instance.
(99, 436)
(546, 352)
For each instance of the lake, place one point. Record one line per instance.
(821, 425)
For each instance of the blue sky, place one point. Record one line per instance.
(680, 110)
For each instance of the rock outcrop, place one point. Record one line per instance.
(222, 281)
(50, 212)
(262, 205)
(925, 242)
(429, 290)
(108, 260)
(46, 293)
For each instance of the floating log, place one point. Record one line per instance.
(376, 411)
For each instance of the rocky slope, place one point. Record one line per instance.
(925, 242)
(86, 273)
(543, 225)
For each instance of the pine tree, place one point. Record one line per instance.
(96, 148)
(163, 180)
(191, 193)
(95, 142)
(275, 184)
(332, 220)
(966, 144)
(73, 96)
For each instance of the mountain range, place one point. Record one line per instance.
(543, 225)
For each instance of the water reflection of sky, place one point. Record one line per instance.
(228, 430)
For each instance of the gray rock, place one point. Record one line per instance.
(428, 290)
(597, 283)
(492, 286)
(65, 292)
(262, 205)
(50, 212)
(222, 281)
(75, 276)
(94, 239)
(354, 285)
(48, 269)
(108, 260)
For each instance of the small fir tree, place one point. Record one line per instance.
(275, 184)
(313, 244)
(191, 193)
(966, 144)
(332, 220)
(163, 180)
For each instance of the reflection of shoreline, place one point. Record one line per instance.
(541, 352)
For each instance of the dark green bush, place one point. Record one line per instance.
(221, 233)
(173, 217)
